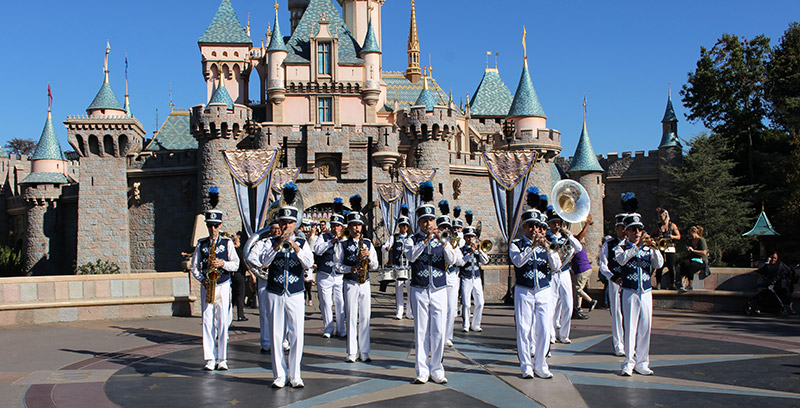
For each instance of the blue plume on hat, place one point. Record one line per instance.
(338, 205)
(355, 203)
(532, 197)
(468, 217)
(404, 210)
(426, 191)
(444, 207)
(289, 193)
(542, 204)
(549, 208)
(629, 202)
(456, 211)
(213, 196)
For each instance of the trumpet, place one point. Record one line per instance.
(286, 246)
(663, 243)
(648, 241)
(486, 245)
(445, 235)
(345, 235)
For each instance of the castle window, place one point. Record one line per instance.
(325, 114)
(324, 58)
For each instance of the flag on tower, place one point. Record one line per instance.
(49, 96)
(524, 46)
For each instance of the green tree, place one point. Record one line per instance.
(782, 85)
(20, 146)
(706, 193)
(726, 94)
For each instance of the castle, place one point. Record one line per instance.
(324, 96)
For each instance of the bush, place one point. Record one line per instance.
(10, 262)
(99, 268)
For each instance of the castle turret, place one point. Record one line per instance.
(585, 169)
(41, 191)
(225, 47)
(371, 53)
(359, 14)
(105, 103)
(670, 151)
(218, 126)
(413, 72)
(104, 141)
(276, 88)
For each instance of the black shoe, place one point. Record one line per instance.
(242, 319)
(264, 351)
(594, 304)
(579, 316)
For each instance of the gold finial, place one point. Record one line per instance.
(171, 105)
(488, 53)
(276, 6)
(430, 65)
(524, 45)
(247, 29)
(105, 62)
(584, 109)
(669, 90)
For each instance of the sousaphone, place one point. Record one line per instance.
(571, 203)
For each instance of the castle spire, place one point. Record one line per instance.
(669, 125)
(221, 94)
(106, 99)
(413, 72)
(127, 106)
(584, 161)
(276, 40)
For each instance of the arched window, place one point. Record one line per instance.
(81, 145)
(108, 145)
(94, 145)
(123, 145)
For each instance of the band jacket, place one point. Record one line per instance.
(323, 254)
(224, 252)
(285, 269)
(607, 264)
(636, 265)
(472, 262)
(428, 261)
(397, 251)
(346, 257)
(533, 266)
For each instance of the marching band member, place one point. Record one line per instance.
(611, 270)
(395, 249)
(458, 225)
(470, 274)
(217, 311)
(429, 256)
(453, 281)
(534, 265)
(285, 257)
(349, 256)
(637, 259)
(329, 280)
(562, 281)
(261, 293)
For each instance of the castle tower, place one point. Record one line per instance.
(585, 169)
(218, 126)
(413, 72)
(670, 151)
(296, 10)
(276, 53)
(529, 119)
(225, 47)
(41, 191)
(371, 53)
(358, 14)
(103, 140)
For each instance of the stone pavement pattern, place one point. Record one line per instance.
(713, 360)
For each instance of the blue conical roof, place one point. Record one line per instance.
(225, 28)
(584, 160)
(370, 41)
(48, 147)
(221, 95)
(276, 42)
(492, 98)
(105, 98)
(426, 97)
(669, 139)
(526, 102)
(669, 114)
(762, 227)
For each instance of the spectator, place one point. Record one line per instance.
(667, 229)
(582, 269)
(696, 260)
(780, 279)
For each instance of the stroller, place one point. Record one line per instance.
(778, 282)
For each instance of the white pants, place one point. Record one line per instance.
(288, 310)
(614, 304)
(562, 291)
(532, 309)
(358, 310)
(453, 284)
(471, 287)
(216, 321)
(263, 317)
(429, 325)
(329, 291)
(401, 286)
(637, 314)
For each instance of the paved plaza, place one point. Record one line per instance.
(708, 360)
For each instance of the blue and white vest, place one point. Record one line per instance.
(350, 251)
(429, 268)
(561, 241)
(636, 273)
(286, 272)
(397, 251)
(534, 274)
(222, 254)
(472, 268)
(613, 266)
(325, 261)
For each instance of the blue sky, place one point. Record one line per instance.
(622, 54)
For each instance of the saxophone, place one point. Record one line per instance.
(210, 283)
(362, 264)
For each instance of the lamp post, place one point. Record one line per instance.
(508, 131)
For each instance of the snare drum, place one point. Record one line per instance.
(386, 275)
(401, 274)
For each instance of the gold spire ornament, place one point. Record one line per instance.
(524, 46)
